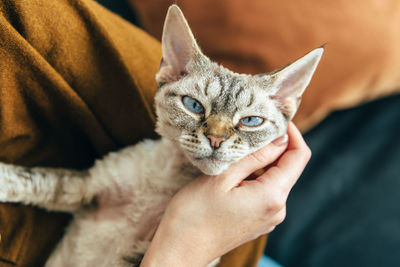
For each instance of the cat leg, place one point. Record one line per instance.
(52, 189)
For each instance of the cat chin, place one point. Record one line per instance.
(211, 166)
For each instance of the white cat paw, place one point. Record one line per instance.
(8, 188)
(6, 193)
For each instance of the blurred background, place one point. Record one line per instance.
(344, 211)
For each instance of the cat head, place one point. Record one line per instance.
(217, 116)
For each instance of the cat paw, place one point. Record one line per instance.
(6, 194)
(8, 189)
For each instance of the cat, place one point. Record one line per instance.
(208, 117)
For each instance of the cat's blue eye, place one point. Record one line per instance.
(252, 121)
(192, 104)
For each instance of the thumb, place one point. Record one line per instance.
(240, 170)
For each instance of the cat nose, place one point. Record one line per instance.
(215, 141)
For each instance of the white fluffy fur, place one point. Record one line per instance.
(130, 193)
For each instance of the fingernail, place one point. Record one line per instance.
(280, 141)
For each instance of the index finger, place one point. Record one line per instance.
(238, 171)
(292, 162)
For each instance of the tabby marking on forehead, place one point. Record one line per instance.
(221, 83)
(251, 101)
(241, 90)
(206, 87)
(197, 87)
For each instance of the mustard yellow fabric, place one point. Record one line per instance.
(76, 81)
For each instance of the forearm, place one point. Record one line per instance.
(168, 249)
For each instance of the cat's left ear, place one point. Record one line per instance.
(292, 80)
(178, 47)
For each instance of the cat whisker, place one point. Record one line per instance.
(231, 155)
(190, 140)
(190, 148)
(196, 150)
(191, 143)
(235, 151)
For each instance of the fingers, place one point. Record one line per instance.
(291, 164)
(257, 160)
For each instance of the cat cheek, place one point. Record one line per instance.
(254, 140)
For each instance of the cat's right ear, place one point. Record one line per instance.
(291, 81)
(178, 47)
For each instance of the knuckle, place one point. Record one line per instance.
(281, 217)
(277, 201)
(305, 152)
(276, 172)
(259, 157)
(270, 229)
(274, 207)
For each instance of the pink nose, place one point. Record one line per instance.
(215, 141)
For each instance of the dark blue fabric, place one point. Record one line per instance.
(345, 209)
(121, 7)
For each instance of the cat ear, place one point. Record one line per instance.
(292, 80)
(178, 47)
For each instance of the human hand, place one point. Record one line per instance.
(214, 214)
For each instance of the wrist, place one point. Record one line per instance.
(172, 247)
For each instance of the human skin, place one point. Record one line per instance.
(214, 214)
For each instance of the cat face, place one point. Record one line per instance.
(217, 116)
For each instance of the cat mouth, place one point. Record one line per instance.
(212, 158)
